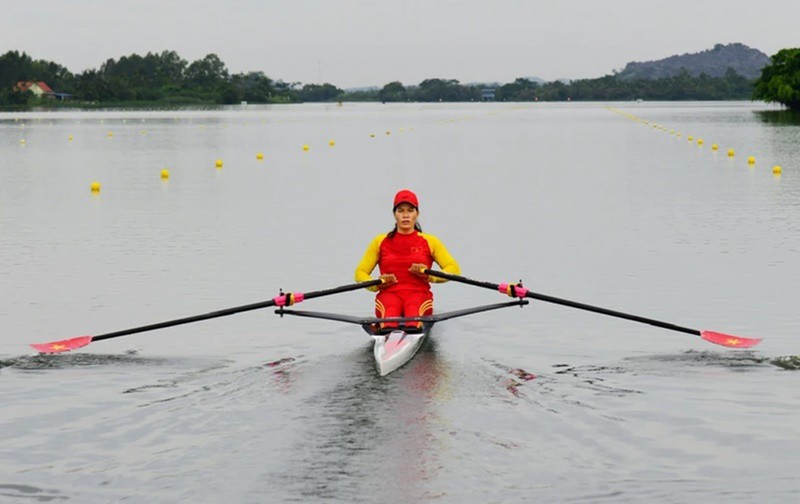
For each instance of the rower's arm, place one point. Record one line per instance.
(446, 262)
(369, 261)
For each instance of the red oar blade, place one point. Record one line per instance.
(63, 345)
(729, 340)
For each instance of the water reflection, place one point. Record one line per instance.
(779, 117)
(371, 435)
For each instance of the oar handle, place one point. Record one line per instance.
(516, 291)
(280, 300)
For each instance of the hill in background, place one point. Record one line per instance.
(715, 62)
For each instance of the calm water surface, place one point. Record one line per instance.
(599, 203)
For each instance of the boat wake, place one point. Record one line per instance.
(29, 492)
(743, 360)
(790, 362)
(65, 361)
(704, 359)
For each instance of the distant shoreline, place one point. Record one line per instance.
(141, 107)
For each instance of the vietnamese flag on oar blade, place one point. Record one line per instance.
(729, 340)
(63, 345)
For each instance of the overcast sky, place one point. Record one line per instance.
(352, 43)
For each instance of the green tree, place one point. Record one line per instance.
(92, 86)
(253, 87)
(445, 90)
(556, 91)
(780, 80)
(170, 68)
(8, 96)
(520, 90)
(319, 93)
(14, 67)
(393, 92)
(207, 73)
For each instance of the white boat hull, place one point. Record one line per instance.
(395, 349)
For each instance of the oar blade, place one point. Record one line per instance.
(729, 340)
(62, 345)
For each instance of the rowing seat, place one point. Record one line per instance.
(405, 329)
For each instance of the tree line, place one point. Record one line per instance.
(167, 79)
(158, 78)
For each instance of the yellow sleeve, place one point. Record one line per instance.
(442, 257)
(369, 261)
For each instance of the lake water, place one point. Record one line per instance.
(599, 203)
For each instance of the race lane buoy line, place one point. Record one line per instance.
(700, 142)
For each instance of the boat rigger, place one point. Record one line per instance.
(396, 348)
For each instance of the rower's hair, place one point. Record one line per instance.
(393, 232)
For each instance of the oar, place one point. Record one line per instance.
(287, 299)
(515, 290)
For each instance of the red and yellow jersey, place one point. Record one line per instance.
(395, 254)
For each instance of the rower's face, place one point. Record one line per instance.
(406, 216)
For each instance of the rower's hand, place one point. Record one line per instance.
(387, 280)
(419, 270)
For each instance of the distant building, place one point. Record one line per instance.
(37, 88)
(40, 89)
(487, 94)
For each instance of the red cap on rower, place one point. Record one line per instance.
(405, 196)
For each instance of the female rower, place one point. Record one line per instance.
(402, 255)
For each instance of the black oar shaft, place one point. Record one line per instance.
(185, 320)
(233, 310)
(612, 313)
(566, 302)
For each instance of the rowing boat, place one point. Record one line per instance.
(399, 346)
(393, 350)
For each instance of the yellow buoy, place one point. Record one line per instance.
(95, 187)
(164, 174)
(305, 147)
(699, 141)
(751, 160)
(70, 138)
(110, 134)
(372, 135)
(331, 143)
(715, 147)
(260, 155)
(776, 170)
(22, 141)
(388, 132)
(690, 138)
(730, 153)
(219, 163)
